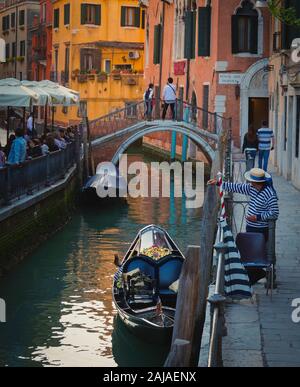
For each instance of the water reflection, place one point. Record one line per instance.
(59, 300)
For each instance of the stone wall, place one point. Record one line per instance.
(23, 231)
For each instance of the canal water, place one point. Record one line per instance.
(59, 300)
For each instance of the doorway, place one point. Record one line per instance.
(258, 111)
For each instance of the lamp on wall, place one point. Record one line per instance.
(261, 4)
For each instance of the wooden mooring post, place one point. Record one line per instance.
(194, 281)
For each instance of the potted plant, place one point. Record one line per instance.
(102, 76)
(82, 77)
(20, 58)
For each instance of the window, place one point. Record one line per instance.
(44, 13)
(157, 44)
(91, 14)
(205, 106)
(204, 31)
(130, 17)
(22, 48)
(143, 19)
(67, 64)
(290, 32)
(13, 50)
(107, 66)
(13, 20)
(90, 59)
(67, 14)
(56, 18)
(55, 78)
(5, 23)
(7, 51)
(22, 17)
(245, 29)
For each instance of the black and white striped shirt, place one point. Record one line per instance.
(263, 204)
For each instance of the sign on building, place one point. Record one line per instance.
(230, 78)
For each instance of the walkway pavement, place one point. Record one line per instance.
(261, 332)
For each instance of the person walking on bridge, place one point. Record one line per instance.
(169, 97)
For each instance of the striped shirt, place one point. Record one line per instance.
(265, 136)
(263, 204)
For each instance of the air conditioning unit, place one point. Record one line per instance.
(133, 55)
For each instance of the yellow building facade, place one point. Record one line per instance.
(98, 50)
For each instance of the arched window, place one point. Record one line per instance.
(245, 29)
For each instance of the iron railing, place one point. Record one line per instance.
(16, 181)
(134, 113)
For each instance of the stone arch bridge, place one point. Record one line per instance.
(112, 134)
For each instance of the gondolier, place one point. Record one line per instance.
(263, 203)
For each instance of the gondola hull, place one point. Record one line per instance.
(145, 286)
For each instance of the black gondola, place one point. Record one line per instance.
(146, 284)
(109, 179)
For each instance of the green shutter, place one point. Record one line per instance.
(137, 17)
(98, 15)
(83, 13)
(189, 35)
(254, 35)
(66, 14)
(235, 33)
(157, 44)
(56, 18)
(123, 16)
(204, 31)
(143, 19)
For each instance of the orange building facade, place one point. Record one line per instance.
(217, 53)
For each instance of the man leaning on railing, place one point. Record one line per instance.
(263, 204)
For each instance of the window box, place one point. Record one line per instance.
(116, 76)
(102, 77)
(91, 77)
(82, 78)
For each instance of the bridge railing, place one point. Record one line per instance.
(16, 181)
(136, 112)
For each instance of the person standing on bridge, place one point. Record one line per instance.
(148, 100)
(169, 98)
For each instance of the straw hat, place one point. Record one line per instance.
(257, 175)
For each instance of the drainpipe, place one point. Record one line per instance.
(162, 49)
(17, 27)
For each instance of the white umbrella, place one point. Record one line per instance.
(43, 96)
(63, 95)
(14, 94)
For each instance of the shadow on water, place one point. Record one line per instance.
(130, 351)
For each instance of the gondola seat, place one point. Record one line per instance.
(143, 263)
(169, 272)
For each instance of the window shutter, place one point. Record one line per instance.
(98, 15)
(82, 55)
(143, 19)
(97, 59)
(234, 34)
(157, 44)
(137, 17)
(254, 35)
(204, 31)
(66, 14)
(123, 16)
(56, 18)
(189, 35)
(83, 13)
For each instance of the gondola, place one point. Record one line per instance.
(105, 180)
(145, 286)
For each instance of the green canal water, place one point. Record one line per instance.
(59, 300)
